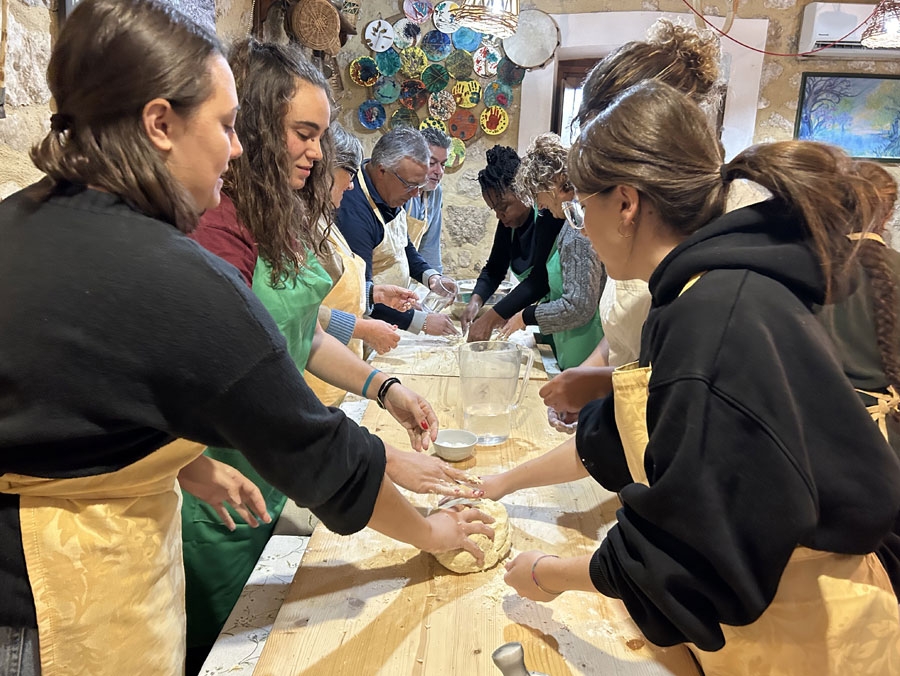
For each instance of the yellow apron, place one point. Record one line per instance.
(347, 294)
(417, 227)
(389, 264)
(833, 614)
(103, 555)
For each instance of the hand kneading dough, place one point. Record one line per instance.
(461, 561)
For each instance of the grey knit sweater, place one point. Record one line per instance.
(583, 280)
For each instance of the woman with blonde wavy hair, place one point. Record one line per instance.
(569, 317)
(755, 489)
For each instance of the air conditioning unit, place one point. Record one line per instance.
(825, 23)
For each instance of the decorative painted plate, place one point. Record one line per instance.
(371, 114)
(443, 17)
(441, 105)
(413, 61)
(497, 94)
(413, 94)
(386, 90)
(433, 123)
(459, 64)
(404, 117)
(388, 62)
(417, 11)
(466, 38)
(379, 36)
(486, 59)
(435, 77)
(509, 73)
(463, 124)
(406, 34)
(364, 71)
(456, 154)
(494, 120)
(467, 93)
(436, 45)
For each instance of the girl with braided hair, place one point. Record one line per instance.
(522, 243)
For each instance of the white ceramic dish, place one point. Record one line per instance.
(455, 445)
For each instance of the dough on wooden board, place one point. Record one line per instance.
(461, 561)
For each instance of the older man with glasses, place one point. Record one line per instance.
(372, 220)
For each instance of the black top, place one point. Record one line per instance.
(527, 246)
(121, 334)
(758, 443)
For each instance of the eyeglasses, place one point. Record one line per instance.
(410, 187)
(574, 211)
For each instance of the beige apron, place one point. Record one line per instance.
(103, 555)
(832, 615)
(389, 264)
(417, 227)
(347, 294)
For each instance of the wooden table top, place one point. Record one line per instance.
(366, 605)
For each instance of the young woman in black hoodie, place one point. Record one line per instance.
(754, 486)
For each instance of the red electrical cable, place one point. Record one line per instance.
(763, 51)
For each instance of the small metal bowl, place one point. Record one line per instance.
(455, 445)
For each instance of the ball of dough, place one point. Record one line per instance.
(461, 561)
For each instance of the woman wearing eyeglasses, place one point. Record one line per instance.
(570, 315)
(522, 243)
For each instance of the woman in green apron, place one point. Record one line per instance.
(569, 316)
(755, 489)
(266, 226)
(522, 244)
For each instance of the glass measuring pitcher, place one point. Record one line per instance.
(488, 381)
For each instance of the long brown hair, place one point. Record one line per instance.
(659, 141)
(281, 219)
(875, 264)
(110, 60)
(678, 55)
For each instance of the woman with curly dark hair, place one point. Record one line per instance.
(267, 227)
(523, 241)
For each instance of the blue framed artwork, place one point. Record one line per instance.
(858, 113)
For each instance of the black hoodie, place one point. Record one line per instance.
(758, 442)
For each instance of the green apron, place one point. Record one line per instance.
(571, 346)
(218, 562)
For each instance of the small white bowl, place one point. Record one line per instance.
(455, 445)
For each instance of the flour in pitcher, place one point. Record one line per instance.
(490, 421)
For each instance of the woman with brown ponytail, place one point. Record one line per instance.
(755, 488)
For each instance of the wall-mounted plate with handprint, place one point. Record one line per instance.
(494, 120)
(467, 93)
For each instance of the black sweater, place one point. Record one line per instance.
(758, 443)
(527, 246)
(121, 334)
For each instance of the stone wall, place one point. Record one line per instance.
(468, 223)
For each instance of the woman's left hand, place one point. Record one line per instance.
(422, 473)
(220, 485)
(414, 413)
(513, 324)
(518, 576)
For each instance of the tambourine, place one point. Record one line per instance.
(536, 39)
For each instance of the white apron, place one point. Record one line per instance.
(389, 264)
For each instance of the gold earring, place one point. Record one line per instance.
(623, 224)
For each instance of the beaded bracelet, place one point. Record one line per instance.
(534, 576)
(368, 381)
(383, 390)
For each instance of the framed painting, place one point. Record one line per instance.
(859, 113)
